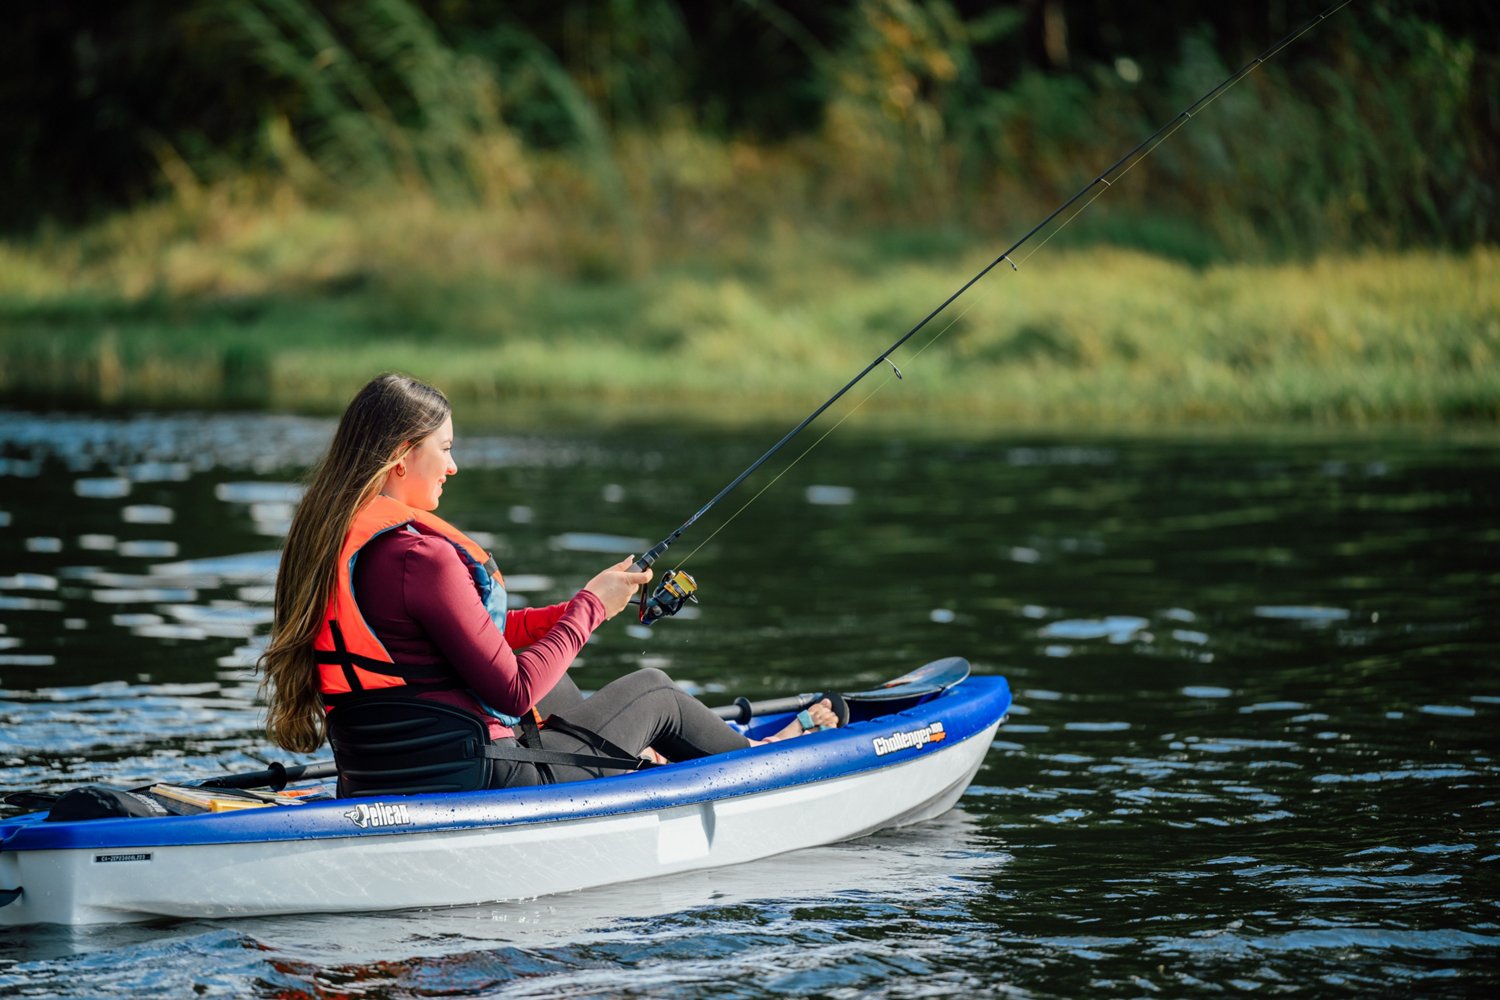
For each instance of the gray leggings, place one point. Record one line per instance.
(642, 709)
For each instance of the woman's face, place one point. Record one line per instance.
(425, 467)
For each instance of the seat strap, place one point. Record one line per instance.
(609, 755)
(529, 736)
(531, 756)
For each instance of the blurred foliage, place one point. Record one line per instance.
(1100, 337)
(628, 116)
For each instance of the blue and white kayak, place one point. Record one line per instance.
(895, 763)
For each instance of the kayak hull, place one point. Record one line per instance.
(505, 844)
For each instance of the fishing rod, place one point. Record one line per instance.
(678, 588)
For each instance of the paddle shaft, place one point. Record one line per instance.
(743, 710)
(276, 777)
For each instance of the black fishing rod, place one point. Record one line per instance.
(677, 587)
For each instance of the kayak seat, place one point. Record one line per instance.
(399, 745)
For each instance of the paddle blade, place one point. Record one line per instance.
(931, 678)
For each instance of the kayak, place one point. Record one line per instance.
(896, 762)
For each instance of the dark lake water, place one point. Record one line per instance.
(1253, 751)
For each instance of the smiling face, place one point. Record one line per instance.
(425, 466)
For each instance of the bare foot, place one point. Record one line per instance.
(823, 717)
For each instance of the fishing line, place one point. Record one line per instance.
(790, 465)
(978, 296)
(1087, 195)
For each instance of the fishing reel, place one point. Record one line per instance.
(675, 590)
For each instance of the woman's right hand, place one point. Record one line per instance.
(617, 585)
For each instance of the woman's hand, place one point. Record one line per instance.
(617, 585)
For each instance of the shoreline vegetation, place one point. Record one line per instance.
(1095, 336)
(1315, 249)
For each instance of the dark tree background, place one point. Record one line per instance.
(91, 92)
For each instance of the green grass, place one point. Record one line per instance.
(260, 299)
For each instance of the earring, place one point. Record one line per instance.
(400, 470)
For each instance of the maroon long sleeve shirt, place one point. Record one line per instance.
(418, 598)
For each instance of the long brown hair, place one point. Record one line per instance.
(385, 419)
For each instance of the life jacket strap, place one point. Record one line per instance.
(420, 677)
(340, 655)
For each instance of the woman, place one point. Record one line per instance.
(391, 635)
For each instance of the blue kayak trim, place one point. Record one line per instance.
(962, 711)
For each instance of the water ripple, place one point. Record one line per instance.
(1251, 750)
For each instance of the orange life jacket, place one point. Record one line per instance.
(349, 657)
(370, 740)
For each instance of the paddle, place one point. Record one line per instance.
(931, 678)
(275, 777)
